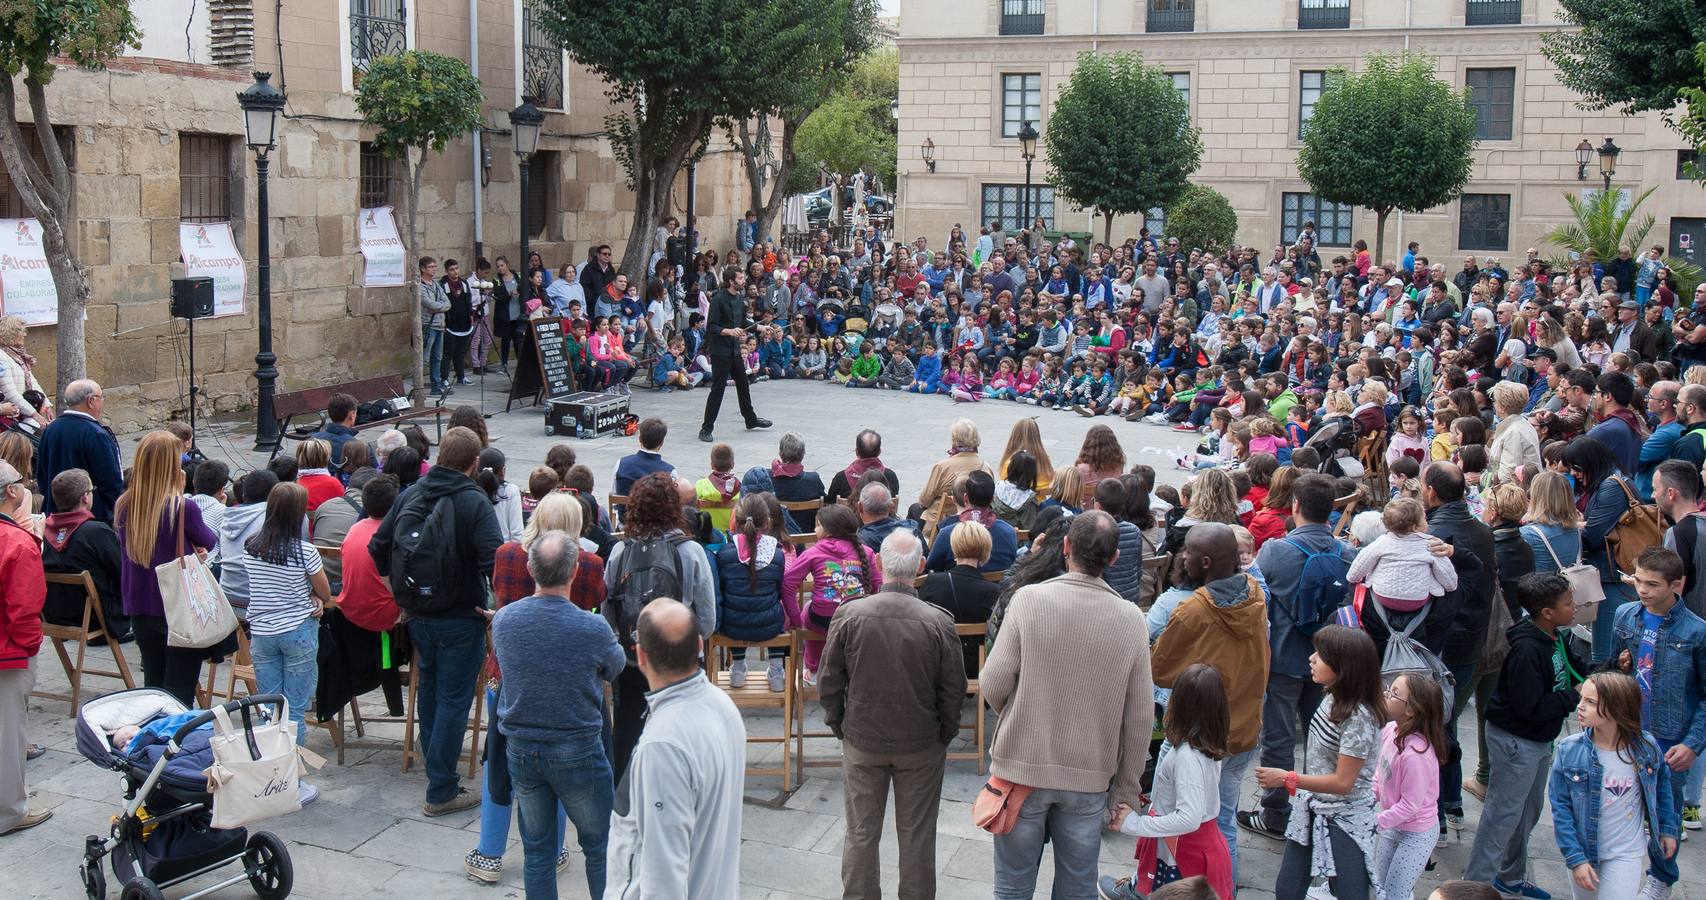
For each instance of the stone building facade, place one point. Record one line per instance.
(157, 138)
(972, 71)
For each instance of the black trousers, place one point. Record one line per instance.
(629, 700)
(174, 669)
(456, 353)
(722, 369)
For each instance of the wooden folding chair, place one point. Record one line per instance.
(804, 695)
(974, 689)
(802, 506)
(612, 503)
(1348, 513)
(82, 634)
(472, 757)
(1024, 535)
(756, 694)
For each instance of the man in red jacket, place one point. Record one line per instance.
(23, 588)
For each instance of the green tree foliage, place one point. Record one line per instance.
(1632, 55)
(417, 102)
(1202, 217)
(672, 69)
(32, 34)
(1393, 136)
(1120, 139)
(1602, 222)
(1693, 122)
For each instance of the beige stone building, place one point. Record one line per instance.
(973, 71)
(156, 139)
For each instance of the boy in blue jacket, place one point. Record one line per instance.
(927, 375)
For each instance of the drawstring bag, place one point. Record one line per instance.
(1406, 656)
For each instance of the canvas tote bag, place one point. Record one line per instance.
(256, 767)
(1584, 582)
(197, 613)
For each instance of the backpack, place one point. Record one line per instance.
(1407, 656)
(374, 411)
(1639, 528)
(423, 556)
(649, 569)
(1322, 587)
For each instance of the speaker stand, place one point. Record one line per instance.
(193, 389)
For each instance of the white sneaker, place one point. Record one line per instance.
(809, 677)
(306, 793)
(737, 674)
(1655, 889)
(776, 676)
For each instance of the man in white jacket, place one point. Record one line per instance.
(675, 830)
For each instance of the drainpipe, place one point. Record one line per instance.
(479, 150)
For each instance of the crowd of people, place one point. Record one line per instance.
(1412, 493)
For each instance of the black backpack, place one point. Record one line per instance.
(649, 569)
(424, 554)
(374, 411)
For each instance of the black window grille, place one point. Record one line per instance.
(1492, 12)
(1484, 222)
(541, 62)
(375, 180)
(376, 28)
(1332, 220)
(1172, 15)
(11, 201)
(1022, 16)
(1323, 13)
(1492, 92)
(204, 178)
(1005, 203)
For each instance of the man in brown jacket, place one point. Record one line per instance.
(892, 682)
(1070, 679)
(1224, 622)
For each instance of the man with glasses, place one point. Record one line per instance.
(598, 274)
(1661, 404)
(76, 439)
(1691, 409)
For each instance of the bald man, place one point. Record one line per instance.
(676, 827)
(1224, 623)
(76, 439)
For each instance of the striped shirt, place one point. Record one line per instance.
(279, 599)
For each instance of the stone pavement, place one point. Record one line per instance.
(367, 837)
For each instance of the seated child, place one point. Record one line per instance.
(718, 492)
(668, 373)
(1001, 384)
(927, 372)
(1404, 474)
(1097, 391)
(540, 484)
(898, 371)
(1401, 571)
(1265, 437)
(967, 383)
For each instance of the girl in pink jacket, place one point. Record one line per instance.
(1406, 782)
(841, 570)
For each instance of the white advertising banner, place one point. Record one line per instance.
(382, 247)
(26, 283)
(209, 250)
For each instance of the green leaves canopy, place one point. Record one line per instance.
(1120, 138)
(418, 100)
(852, 127)
(1636, 55)
(1203, 218)
(1693, 124)
(87, 32)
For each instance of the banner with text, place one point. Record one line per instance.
(26, 283)
(209, 249)
(382, 247)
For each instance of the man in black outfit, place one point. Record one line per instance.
(725, 326)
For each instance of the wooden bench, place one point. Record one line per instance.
(312, 401)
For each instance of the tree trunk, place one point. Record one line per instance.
(47, 197)
(1107, 227)
(71, 286)
(410, 251)
(1380, 235)
(770, 208)
(663, 142)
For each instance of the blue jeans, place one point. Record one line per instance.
(495, 805)
(288, 664)
(432, 352)
(1615, 596)
(567, 774)
(451, 652)
(1451, 768)
(1073, 822)
(1666, 870)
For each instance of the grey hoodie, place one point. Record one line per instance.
(241, 523)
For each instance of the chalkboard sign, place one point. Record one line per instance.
(543, 367)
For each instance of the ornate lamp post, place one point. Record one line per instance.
(1027, 149)
(524, 122)
(1584, 155)
(1608, 153)
(261, 104)
(928, 151)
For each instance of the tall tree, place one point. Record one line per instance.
(33, 33)
(417, 102)
(1631, 55)
(1393, 136)
(672, 69)
(1119, 139)
(794, 99)
(1202, 218)
(1693, 122)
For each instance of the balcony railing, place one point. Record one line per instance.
(1172, 15)
(1022, 16)
(1324, 14)
(1493, 12)
(376, 28)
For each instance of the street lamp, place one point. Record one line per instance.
(1584, 155)
(1027, 149)
(524, 122)
(261, 104)
(928, 151)
(1608, 153)
(894, 110)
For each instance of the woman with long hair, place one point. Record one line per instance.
(1045, 558)
(1213, 498)
(18, 384)
(558, 511)
(1099, 457)
(288, 591)
(1553, 525)
(1603, 495)
(1067, 491)
(1026, 436)
(147, 518)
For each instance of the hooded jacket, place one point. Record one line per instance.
(22, 591)
(1535, 694)
(241, 523)
(477, 539)
(75, 542)
(1223, 623)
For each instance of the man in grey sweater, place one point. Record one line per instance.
(1070, 678)
(435, 302)
(556, 659)
(892, 682)
(676, 828)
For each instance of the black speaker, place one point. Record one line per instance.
(192, 298)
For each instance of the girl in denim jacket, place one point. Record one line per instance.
(1612, 811)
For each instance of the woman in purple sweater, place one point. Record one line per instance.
(147, 522)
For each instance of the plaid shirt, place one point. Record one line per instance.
(510, 582)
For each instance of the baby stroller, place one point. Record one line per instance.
(163, 837)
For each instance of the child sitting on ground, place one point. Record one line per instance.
(1265, 437)
(1401, 571)
(668, 373)
(966, 385)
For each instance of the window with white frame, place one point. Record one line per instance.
(1182, 84)
(1021, 102)
(1310, 84)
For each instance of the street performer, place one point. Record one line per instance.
(725, 326)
